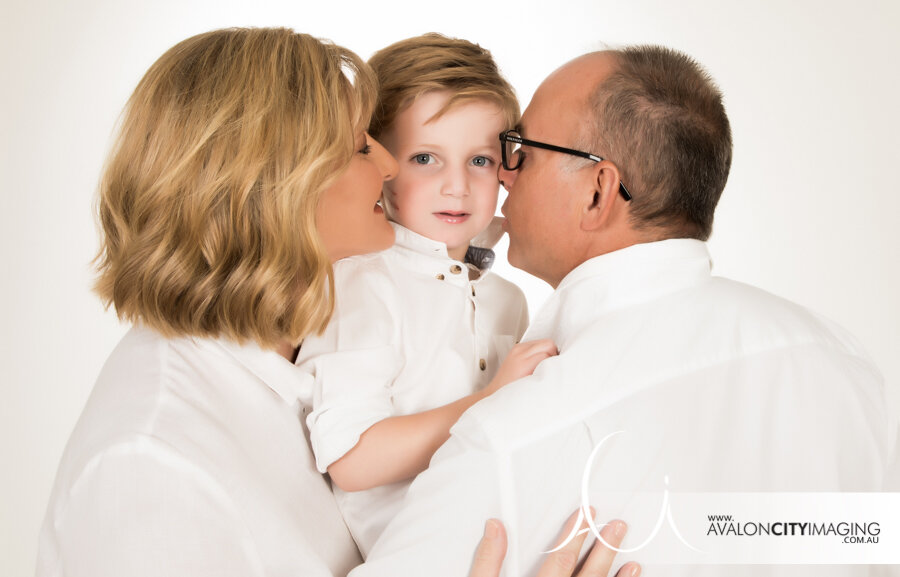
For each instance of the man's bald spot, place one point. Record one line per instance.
(580, 77)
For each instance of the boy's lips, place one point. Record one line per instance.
(452, 216)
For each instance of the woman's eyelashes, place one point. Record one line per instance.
(362, 143)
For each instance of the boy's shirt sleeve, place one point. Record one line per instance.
(354, 361)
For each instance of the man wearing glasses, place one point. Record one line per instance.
(669, 380)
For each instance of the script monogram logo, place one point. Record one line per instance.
(665, 512)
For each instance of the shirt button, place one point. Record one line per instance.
(439, 276)
(456, 269)
(482, 364)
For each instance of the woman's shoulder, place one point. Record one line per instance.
(185, 393)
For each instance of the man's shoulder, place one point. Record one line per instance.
(721, 323)
(745, 311)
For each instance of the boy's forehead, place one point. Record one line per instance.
(437, 109)
(470, 123)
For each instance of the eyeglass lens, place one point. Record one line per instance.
(512, 154)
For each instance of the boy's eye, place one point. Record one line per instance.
(482, 161)
(423, 158)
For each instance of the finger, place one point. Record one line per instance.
(543, 346)
(561, 563)
(630, 569)
(601, 557)
(491, 550)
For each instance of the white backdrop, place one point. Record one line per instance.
(810, 211)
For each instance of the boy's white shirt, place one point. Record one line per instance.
(410, 332)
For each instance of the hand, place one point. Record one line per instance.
(521, 362)
(492, 549)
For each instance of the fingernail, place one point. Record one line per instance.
(635, 571)
(620, 528)
(490, 529)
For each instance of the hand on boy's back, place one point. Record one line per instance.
(521, 362)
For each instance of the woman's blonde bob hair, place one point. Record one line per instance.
(208, 202)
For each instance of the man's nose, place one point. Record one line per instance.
(506, 177)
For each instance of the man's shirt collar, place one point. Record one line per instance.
(619, 279)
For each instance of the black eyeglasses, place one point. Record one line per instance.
(511, 154)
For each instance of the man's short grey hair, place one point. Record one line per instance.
(660, 118)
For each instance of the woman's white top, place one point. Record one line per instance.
(190, 460)
(410, 332)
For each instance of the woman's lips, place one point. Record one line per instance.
(452, 217)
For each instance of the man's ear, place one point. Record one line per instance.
(600, 208)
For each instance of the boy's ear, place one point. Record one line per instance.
(599, 209)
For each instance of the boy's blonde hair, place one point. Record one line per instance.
(412, 67)
(208, 202)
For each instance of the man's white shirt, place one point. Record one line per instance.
(707, 384)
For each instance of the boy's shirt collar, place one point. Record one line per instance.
(480, 257)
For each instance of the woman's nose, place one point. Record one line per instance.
(385, 161)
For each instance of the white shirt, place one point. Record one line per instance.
(190, 460)
(720, 386)
(410, 332)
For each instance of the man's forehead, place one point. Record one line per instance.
(562, 96)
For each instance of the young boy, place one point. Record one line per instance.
(420, 330)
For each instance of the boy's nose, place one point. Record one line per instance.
(456, 184)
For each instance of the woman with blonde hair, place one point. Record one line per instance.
(241, 172)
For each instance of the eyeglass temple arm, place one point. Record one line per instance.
(524, 141)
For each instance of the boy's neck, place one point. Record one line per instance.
(458, 253)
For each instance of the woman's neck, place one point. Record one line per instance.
(287, 350)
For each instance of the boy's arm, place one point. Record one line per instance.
(438, 528)
(399, 448)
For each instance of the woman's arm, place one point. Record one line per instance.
(399, 448)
